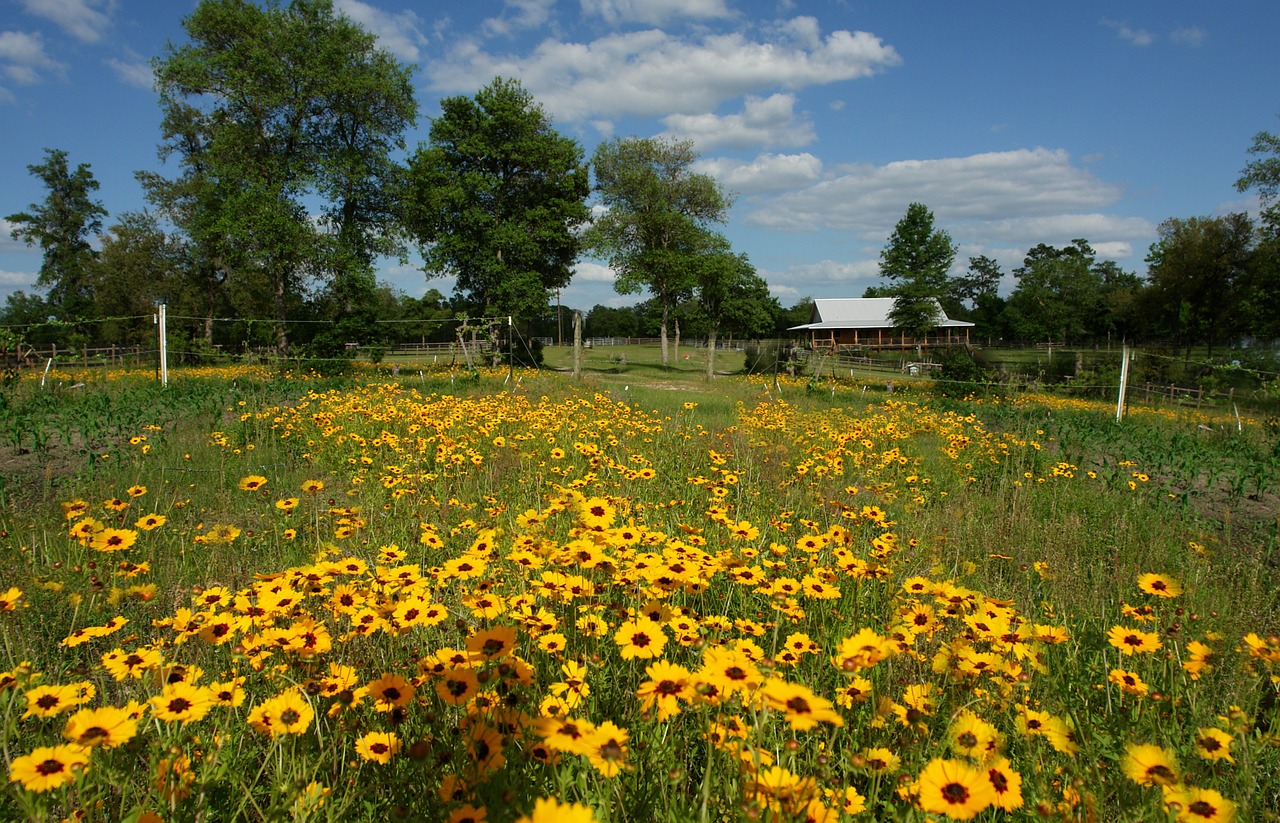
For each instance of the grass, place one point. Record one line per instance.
(753, 599)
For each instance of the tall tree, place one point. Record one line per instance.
(1263, 174)
(916, 262)
(727, 286)
(292, 106)
(1195, 269)
(63, 226)
(496, 199)
(982, 278)
(656, 219)
(1057, 296)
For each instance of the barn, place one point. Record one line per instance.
(863, 322)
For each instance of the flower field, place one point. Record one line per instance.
(491, 600)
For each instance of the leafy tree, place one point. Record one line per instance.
(496, 199)
(657, 214)
(916, 262)
(727, 286)
(606, 321)
(982, 278)
(279, 109)
(63, 226)
(1195, 268)
(1059, 296)
(797, 315)
(1263, 174)
(138, 267)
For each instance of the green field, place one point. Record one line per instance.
(639, 596)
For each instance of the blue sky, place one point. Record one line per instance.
(1016, 123)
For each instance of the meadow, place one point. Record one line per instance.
(512, 596)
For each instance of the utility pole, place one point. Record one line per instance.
(163, 323)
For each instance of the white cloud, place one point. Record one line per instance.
(849, 278)
(83, 19)
(398, 32)
(653, 73)
(764, 121)
(1138, 37)
(766, 173)
(520, 15)
(1189, 36)
(653, 12)
(134, 71)
(23, 59)
(989, 186)
(588, 272)
(1061, 229)
(13, 280)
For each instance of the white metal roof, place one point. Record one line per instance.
(861, 313)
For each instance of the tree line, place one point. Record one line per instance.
(285, 125)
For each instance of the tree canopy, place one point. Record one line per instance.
(63, 227)
(916, 262)
(497, 199)
(272, 109)
(657, 214)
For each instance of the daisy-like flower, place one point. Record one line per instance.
(1201, 805)
(107, 727)
(667, 686)
(971, 736)
(312, 486)
(550, 810)
(181, 703)
(287, 504)
(390, 691)
(1133, 641)
(640, 638)
(803, 708)
(1128, 682)
(49, 701)
(1214, 744)
(954, 788)
(252, 483)
(1148, 765)
(287, 713)
(137, 491)
(606, 748)
(457, 685)
(1006, 782)
(113, 540)
(378, 747)
(1160, 585)
(10, 599)
(48, 767)
(151, 521)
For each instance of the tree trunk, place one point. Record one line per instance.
(665, 311)
(711, 351)
(282, 334)
(675, 352)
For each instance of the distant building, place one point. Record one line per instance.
(863, 322)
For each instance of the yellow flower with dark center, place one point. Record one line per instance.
(181, 703)
(1006, 783)
(312, 486)
(1160, 585)
(550, 810)
(107, 727)
(724, 673)
(458, 685)
(10, 599)
(1128, 682)
(113, 540)
(151, 521)
(48, 767)
(1200, 805)
(390, 691)
(252, 483)
(378, 747)
(1148, 765)
(802, 708)
(1133, 641)
(971, 736)
(606, 748)
(1214, 744)
(641, 638)
(49, 701)
(287, 713)
(667, 686)
(954, 788)
(493, 643)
